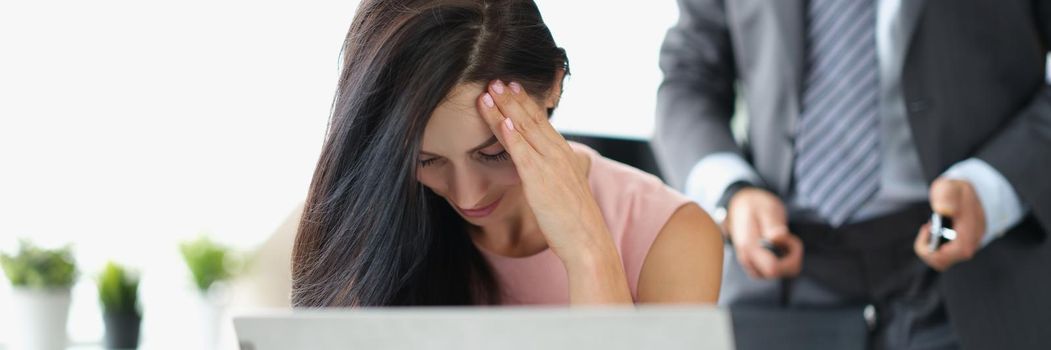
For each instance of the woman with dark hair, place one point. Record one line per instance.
(442, 182)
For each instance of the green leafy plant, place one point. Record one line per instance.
(39, 268)
(118, 290)
(209, 262)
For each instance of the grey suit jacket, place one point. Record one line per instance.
(973, 84)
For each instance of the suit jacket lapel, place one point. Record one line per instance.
(791, 20)
(909, 17)
(793, 32)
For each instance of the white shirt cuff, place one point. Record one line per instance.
(1000, 203)
(710, 177)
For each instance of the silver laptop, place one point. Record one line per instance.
(487, 328)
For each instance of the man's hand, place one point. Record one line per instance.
(753, 215)
(958, 200)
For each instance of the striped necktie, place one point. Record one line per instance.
(837, 141)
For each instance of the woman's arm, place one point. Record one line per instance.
(685, 262)
(598, 278)
(558, 193)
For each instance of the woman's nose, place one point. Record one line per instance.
(470, 189)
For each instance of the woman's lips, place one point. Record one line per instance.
(480, 212)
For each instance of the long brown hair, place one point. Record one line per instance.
(371, 235)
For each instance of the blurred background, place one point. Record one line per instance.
(128, 127)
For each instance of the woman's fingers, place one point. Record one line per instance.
(513, 102)
(539, 114)
(521, 152)
(523, 98)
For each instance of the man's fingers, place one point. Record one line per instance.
(945, 196)
(746, 263)
(939, 259)
(792, 262)
(765, 262)
(746, 243)
(955, 251)
(772, 221)
(783, 238)
(922, 244)
(776, 232)
(955, 199)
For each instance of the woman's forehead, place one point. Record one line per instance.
(455, 125)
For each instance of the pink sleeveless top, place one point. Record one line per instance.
(636, 205)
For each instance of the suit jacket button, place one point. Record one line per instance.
(916, 106)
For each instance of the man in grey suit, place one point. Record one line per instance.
(863, 117)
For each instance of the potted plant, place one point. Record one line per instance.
(210, 264)
(119, 298)
(41, 281)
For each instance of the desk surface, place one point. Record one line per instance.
(762, 329)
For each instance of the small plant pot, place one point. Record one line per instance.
(39, 318)
(212, 305)
(122, 330)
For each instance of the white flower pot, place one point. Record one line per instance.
(39, 318)
(212, 305)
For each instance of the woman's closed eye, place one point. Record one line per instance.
(494, 153)
(498, 157)
(429, 161)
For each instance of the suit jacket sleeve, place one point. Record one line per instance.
(695, 101)
(1021, 151)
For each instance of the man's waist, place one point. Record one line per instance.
(890, 229)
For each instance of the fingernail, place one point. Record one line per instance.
(488, 100)
(515, 87)
(509, 124)
(498, 87)
(944, 209)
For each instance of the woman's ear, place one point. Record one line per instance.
(555, 93)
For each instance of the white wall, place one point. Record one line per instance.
(613, 48)
(128, 126)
